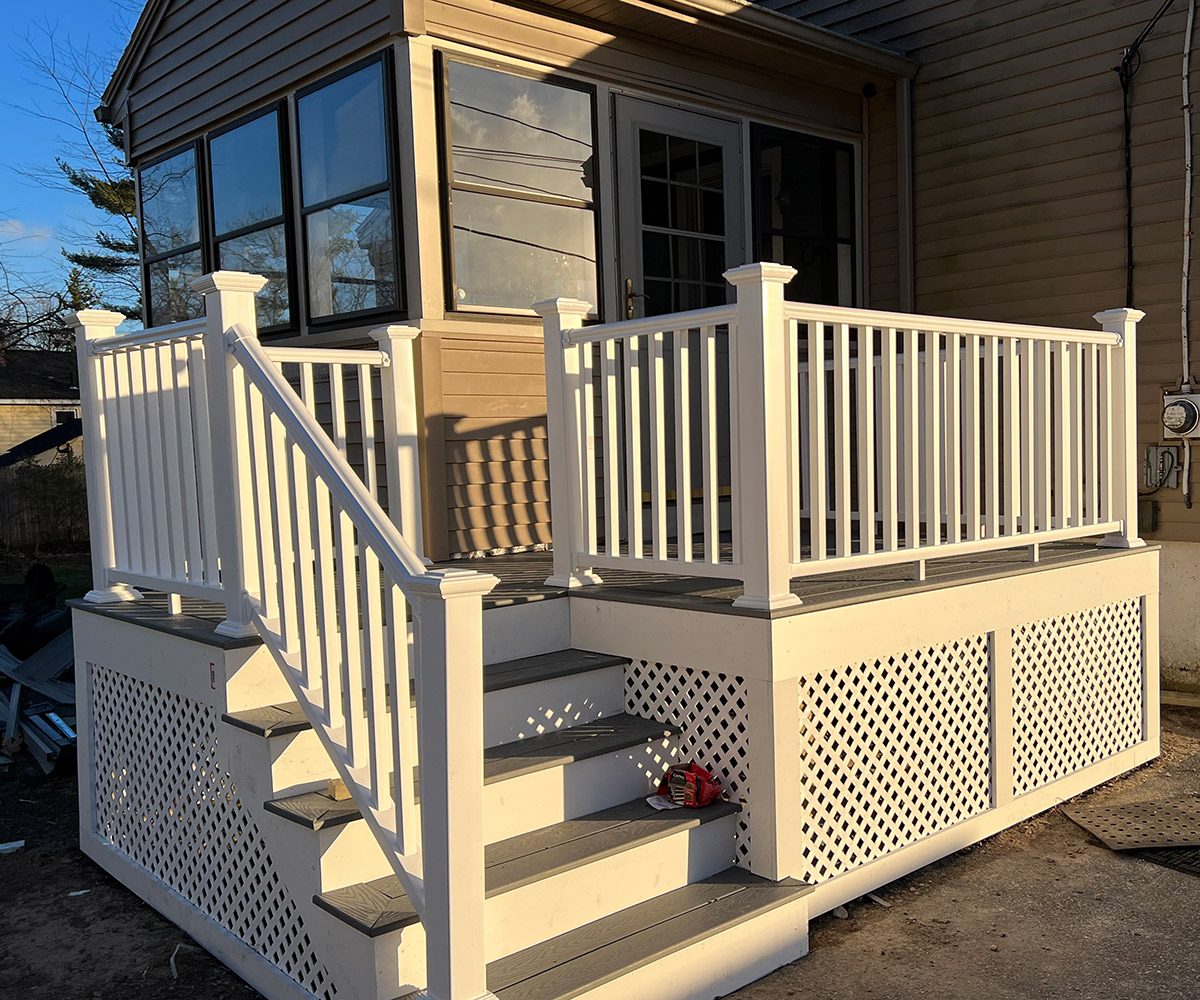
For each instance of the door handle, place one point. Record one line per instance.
(630, 295)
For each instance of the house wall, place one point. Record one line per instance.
(482, 384)
(20, 421)
(1019, 189)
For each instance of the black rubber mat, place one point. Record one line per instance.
(1183, 859)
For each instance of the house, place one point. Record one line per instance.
(414, 271)
(1020, 206)
(39, 393)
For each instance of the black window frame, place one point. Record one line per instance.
(212, 239)
(442, 61)
(854, 241)
(200, 245)
(391, 186)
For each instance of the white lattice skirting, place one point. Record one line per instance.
(165, 801)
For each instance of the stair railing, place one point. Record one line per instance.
(384, 654)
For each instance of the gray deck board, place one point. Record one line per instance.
(270, 720)
(544, 666)
(315, 810)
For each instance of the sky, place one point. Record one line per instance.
(37, 221)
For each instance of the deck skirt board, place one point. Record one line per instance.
(381, 906)
(601, 951)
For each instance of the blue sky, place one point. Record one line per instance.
(36, 221)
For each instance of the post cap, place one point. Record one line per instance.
(95, 323)
(229, 281)
(562, 307)
(453, 583)
(764, 272)
(1119, 316)
(394, 331)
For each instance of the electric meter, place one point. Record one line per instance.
(1181, 414)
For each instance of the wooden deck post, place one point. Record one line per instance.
(571, 444)
(228, 301)
(400, 416)
(450, 730)
(759, 436)
(93, 325)
(1123, 322)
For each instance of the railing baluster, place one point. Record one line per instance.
(683, 443)
(1027, 363)
(202, 438)
(708, 441)
(1062, 438)
(1089, 512)
(889, 466)
(866, 434)
(1105, 402)
(841, 437)
(587, 386)
(327, 607)
(611, 420)
(181, 394)
(131, 389)
(117, 444)
(1043, 428)
(1078, 434)
(912, 437)
(797, 452)
(366, 421)
(991, 435)
(658, 451)
(400, 674)
(633, 445)
(259, 489)
(953, 437)
(302, 546)
(279, 478)
(350, 627)
(818, 469)
(375, 678)
(1012, 439)
(165, 393)
(972, 455)
(933, 444)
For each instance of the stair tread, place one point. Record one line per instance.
(545, 666)
(381, 906)
(270, 720)
(318, 810)
(603, 950)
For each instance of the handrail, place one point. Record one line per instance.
(327, 356)
(622, 329)
(396, 555)
(154, 335)
(944, 324)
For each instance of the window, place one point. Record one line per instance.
(522, 178)
(171, 238)
(248, 211)
(346, 194)
(804, 212)
(64, 416)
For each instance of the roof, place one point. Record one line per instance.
(38, 375)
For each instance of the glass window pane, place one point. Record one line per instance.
(514, 253)
(169, 289)
(245, 175)
(263, 252)
(169, 215)
(351, 259)
(527, 135)
(342, 136)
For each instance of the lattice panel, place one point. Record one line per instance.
(164, 799)
(710, 710)
(1077, 691)
(892, 751)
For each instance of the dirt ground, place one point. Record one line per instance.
(1040, 911)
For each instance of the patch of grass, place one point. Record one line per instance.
(74, 569)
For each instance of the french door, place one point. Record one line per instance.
(680, 207)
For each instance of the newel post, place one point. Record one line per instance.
(450, 734)
(229, 301)
(400, 422)
(91, 327)
(1123, 322)
(759, 410)
(571, 442)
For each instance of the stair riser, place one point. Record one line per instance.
(520, 630)
(381, 968)
(532, 801)
(517, 713)
(268, 768)
(716, 966)
(533, 913)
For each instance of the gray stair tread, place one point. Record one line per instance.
(545, 666)
(381, 906)
(605, 949)
(270, 720)
(318, 810)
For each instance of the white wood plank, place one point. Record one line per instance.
(657, 417)
(633, 446)
(611, 421)
(841, 438)
(991, 435)
(708, 443)
(1104, 402)
(1011, 425)
(912, 437)
(817, 437)
(681, 342)
(933, 439)
(1063, 436)
(953, 416)
(1028, 403)
(972, 451)
(889, 465)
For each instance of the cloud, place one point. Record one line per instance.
(30, 237)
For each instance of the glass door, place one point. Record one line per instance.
(680, 198)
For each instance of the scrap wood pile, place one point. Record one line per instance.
(37, 689)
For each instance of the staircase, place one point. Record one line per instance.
(589, 891)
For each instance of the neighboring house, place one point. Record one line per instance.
(39, 393)
(1019, 205)
(414, 270)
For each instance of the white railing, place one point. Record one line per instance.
(384, 655)
(1013, 436)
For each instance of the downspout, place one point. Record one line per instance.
(904, 171)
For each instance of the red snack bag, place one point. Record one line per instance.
(689, 785)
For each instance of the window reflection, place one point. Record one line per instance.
(169, 287)
(342, 129)
(523, 174)
(170, 219)
(264, 252)
(350, 261)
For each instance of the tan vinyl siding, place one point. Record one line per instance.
(1019, 170)
(212, 61)
(20, 421)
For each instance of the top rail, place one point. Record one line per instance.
(944, 324)
(397, 556)
(154, 335)
(327, 356)
(693, 319)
